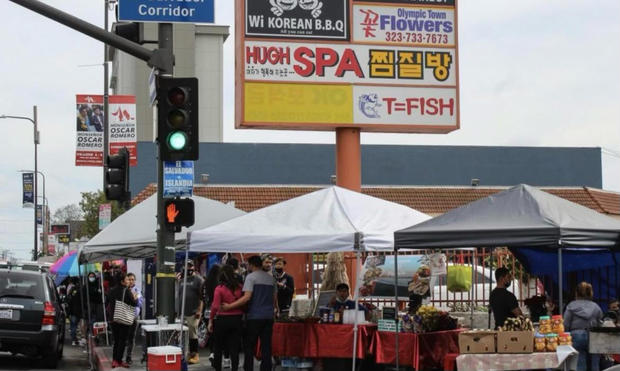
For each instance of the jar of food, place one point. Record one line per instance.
(552, 342)
(544, 325)
(565, 339)
(557, 324)
(540, 345)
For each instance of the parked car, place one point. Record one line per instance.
(32, 321)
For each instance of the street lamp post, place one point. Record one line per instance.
(35, 253)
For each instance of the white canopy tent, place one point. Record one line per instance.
(331, 219)
(133, 234)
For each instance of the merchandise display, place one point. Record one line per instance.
(520, 323)
(544, 325)
(565, 339)
(552, 342)
(557, 324)
(540, 343)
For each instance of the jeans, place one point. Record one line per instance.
(131, 336)
(258, 328)
(120, 333)
(74, 322)
(586, 361)
(227, 339)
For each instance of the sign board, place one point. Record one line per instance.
(28, 189)
(51, 244)
(89, 125)
(60, 229)
(179, 11)
(63, 238)
(178, 178)
(393, 67)
(39, 214)
(105, 215)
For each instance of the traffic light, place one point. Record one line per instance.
(116, 181)
(179, 213)
(132, 31)
(177, 118)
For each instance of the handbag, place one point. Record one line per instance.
(459, 277)
(124, 313)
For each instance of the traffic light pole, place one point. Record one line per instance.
(165, 278)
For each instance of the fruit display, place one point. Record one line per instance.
(428, 319)
(520, 323)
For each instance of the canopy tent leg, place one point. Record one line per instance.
(474, 256)
(397, 306)
(560, 283)
(491, 250)
(88, 350)
(357, 290)
(105, 316)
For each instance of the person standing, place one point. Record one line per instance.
(267, 263)
(120, 331)
(582, 314)
(286, 287)
(259, 290)
(502, 302)
(193, 309)
(95, 300)
(131, 279)
(74, 309)
(226, 326)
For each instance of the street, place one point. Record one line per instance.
(74, 359)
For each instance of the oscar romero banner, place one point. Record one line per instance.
(89, 126)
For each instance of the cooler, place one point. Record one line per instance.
(99, 328)
(165, 358)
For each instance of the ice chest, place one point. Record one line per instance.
(515, 342)
(99, 328)
(477, 342)
(165, 358)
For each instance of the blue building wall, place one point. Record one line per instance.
(268, 163)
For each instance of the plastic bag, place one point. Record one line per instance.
(459, 278)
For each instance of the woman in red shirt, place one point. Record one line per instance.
(226, 325)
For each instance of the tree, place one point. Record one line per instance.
(90, 208)
(67, 213)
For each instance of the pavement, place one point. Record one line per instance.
(74, 358)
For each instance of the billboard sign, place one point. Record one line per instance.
(60, 229)
(394, 68)
(314, 19)
(178, 178)
(89, 125)
(179, 11)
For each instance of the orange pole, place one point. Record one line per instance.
(348, 159)
(349, 175)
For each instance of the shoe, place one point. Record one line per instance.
(226, 363)
(74, 343)
(193, 359)
(212, 357)
(124, 365)
(115, 364)
(129, 361)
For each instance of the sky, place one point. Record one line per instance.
(532, 73)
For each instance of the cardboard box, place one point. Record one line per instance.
(477, 342)
(515, 342)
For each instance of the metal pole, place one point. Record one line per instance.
(106, 77)
(165, 239)
(105, 316)
(560, 283)
(490, 281)
(35, 254)
(397, 305)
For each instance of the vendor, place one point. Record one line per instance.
(502, 302)
(286, 287)
(341, 301)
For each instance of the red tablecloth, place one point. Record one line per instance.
(421, 351)
(320, 340)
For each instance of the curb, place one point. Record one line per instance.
(101, 360)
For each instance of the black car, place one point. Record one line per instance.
(32, 321)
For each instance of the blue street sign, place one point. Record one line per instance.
(178, 178)
(171, 11)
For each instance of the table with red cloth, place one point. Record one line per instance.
(420, 351)
(315, 340)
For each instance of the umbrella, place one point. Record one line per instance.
(67, 266)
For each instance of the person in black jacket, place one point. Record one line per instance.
(120, 331)
(286, 287)
(74, 308)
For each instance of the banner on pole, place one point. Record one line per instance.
(28, 187)
(105, 215)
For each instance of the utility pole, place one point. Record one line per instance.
(165, 277)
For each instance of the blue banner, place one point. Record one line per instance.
(28, 186)
(178, 178)
(39, 214)
(173, 11)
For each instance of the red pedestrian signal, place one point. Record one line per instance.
(179, 213)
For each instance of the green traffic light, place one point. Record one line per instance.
(177, 140)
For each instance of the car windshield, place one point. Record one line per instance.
(18, 284)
